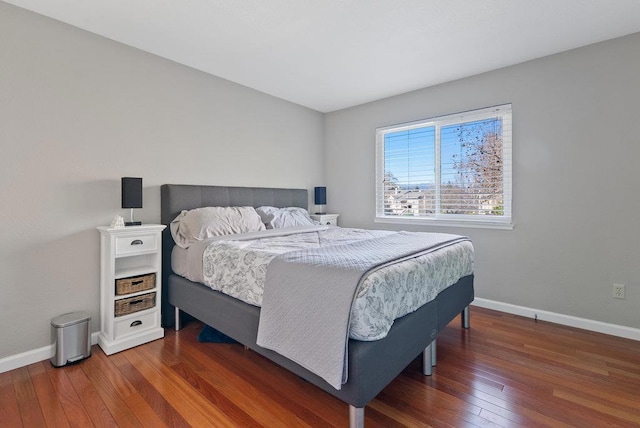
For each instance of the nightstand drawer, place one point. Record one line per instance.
(136, 244)
(133, 325)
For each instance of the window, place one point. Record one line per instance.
(450, 170)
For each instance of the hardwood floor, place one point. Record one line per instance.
(504, 371)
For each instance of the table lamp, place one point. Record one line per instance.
(320, 198)
(132, 196)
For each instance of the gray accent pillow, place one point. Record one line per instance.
(276, 218)
(202, 223)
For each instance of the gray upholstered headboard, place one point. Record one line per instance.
(177, 197)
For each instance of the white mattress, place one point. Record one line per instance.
(236, 265)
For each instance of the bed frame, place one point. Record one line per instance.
(372, 365)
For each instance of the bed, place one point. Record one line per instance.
(371, 364)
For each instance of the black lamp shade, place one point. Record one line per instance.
(131, 192)
(320, 196)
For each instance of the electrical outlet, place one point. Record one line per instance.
(618, 291)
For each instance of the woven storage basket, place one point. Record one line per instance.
(134, 284)
(135, 304)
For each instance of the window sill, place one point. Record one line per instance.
(445, 223)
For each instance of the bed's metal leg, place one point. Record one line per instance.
(433, 353)
(465, 318)
(426, 360)
(177, 312)
(356, 417)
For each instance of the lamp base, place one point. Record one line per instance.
(133, 223)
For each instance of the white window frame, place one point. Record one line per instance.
(450, 220)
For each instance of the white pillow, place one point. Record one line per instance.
(275, 218)
(202, 223)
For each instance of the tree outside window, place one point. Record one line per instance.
(455, 167)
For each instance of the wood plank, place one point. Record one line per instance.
(247, 417)
(47, 397)
(624, 413)
(243, 398)
(188, 402)
(108, 380)
(263, 393)
(148, 393)
(9, 408)
(96, 408)
(27, 399)
(309, 401)
(72, 405)
(274, 390)
(388, 416)
(96, 378)
(505, 371)
(266, 386)
(120, 383)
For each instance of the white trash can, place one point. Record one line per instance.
(72, 338)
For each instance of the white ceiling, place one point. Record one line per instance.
(332, 54)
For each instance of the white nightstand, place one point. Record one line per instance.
(130, 286)
(326, 219)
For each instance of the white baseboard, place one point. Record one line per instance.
(46, 352)
(568, 320)
(24, 359)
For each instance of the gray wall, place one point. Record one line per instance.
(576, 182)
(77, 112)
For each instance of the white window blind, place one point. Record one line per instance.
(449, 169)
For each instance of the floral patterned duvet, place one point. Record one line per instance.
(238, 268)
